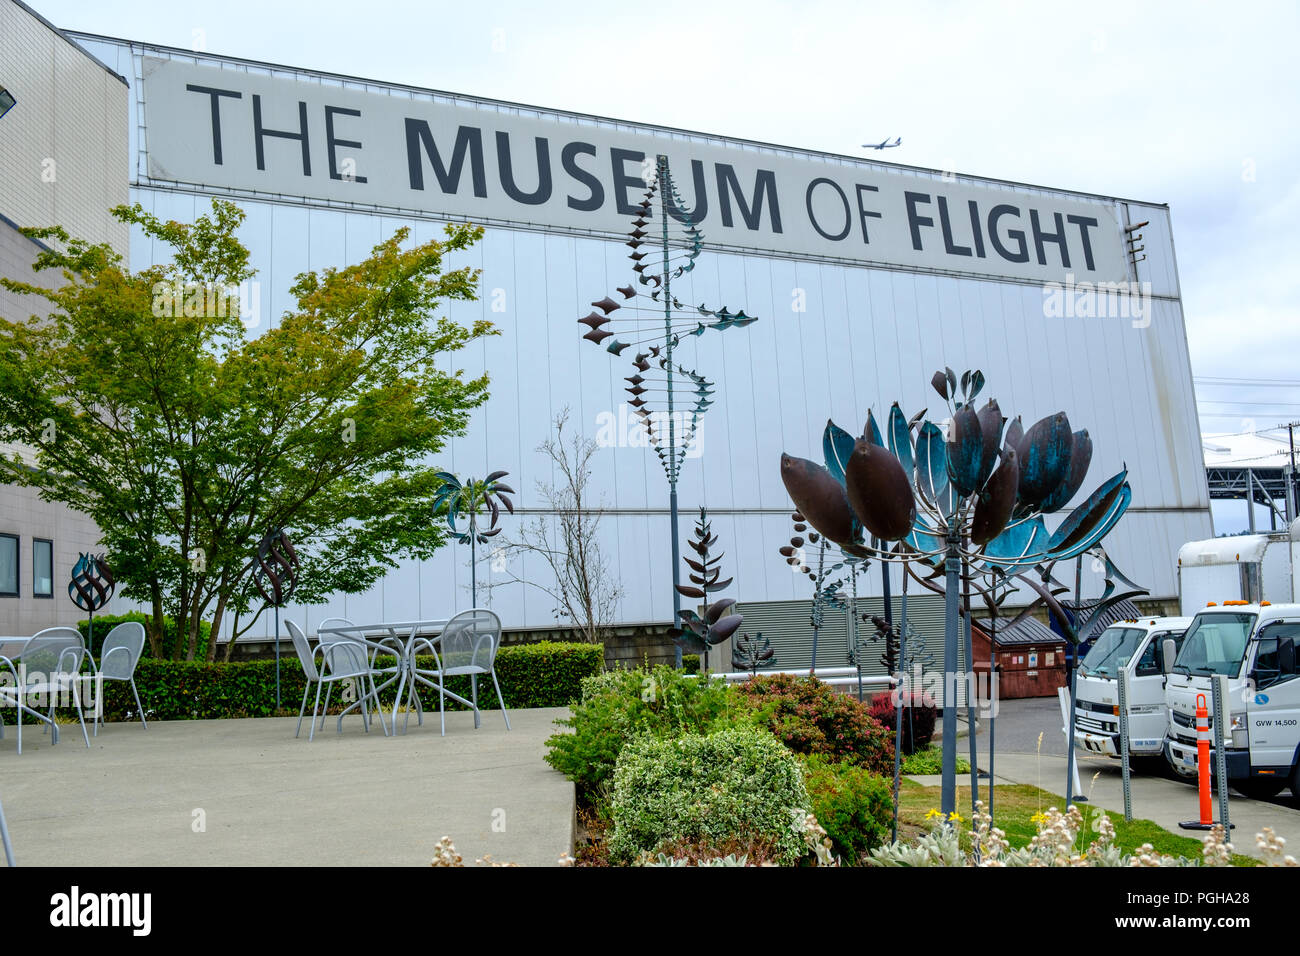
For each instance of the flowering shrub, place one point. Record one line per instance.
(809, 717)
(919, 716)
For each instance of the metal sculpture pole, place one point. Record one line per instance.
(659, 261)
(951, 623)
(898, 707)
(275, 578)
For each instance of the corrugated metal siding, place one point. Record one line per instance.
(787, 625)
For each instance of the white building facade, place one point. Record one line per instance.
(865, 276)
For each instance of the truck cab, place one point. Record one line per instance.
(1254, 646)
(1133, 646)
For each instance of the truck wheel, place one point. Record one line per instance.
(1258, 789)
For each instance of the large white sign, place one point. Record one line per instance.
(250, 132)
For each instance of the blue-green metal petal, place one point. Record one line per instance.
(900, 440)
(837, 446)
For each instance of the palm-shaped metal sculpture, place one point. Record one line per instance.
(697, 633)
(469, 499)
(667, 398)
(974, 498)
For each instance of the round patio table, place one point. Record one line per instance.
(397, 638)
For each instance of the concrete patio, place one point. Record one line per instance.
(246, 793)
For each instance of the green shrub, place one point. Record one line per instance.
(545, 674)
(854, 806)
(619, 705)
(106, 622)
(809, 717)
(735, 785)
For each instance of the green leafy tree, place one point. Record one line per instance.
(148, 405)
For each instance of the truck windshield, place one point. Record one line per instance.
(1116, 644)
(1215, 644)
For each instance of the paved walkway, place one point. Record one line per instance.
(246, 793)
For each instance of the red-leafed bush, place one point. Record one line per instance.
(919, 715)
(809, 717)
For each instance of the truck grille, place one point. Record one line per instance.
(1189, 720)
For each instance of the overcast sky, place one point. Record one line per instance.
(1188, 104)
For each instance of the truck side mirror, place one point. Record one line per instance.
(1168, 654)
(1286, 657)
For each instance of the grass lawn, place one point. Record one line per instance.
(1015, 804)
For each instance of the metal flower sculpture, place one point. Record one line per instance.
(974, 497)
(275, 578)
(469, 498)
(697, 633)
(91, 587)
(667, 398)
(751, 653)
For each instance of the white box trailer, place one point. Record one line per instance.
(1248, 567)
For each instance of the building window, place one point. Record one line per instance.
(42, 568)
(8, 565)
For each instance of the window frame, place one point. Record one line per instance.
(18, 565)
(35, 594)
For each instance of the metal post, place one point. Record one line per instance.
(1250, 499)
(853, 631)
(473, 561)
(898, 705)
(1070, 763)
(9, 850)
(1290, 478)
(277, 658)
(952, 565)
(817, 608)
(672, 425)
(1221, 720)
(971, 688)
(993, 692)
(1122, 684)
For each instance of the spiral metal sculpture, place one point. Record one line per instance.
(646, 316)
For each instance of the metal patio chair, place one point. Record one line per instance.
(118, 657)
(4, 838)
(48, 666)
(467, 645)
(339, 660)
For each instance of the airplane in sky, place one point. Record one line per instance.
(884, 144)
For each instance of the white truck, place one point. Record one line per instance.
(1244, 567)
(1134, 646)
(1254, 645)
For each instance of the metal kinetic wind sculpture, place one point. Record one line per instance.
(667, 398)
(466, 499)
(698, 633)
(751, 653)
(91, 587)
(974, 498)
(275, 578)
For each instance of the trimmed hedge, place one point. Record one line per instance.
(734, 786)
(106, 622)
(545, 674)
